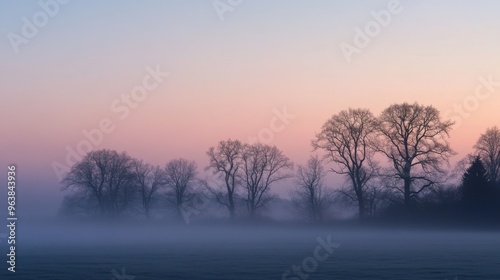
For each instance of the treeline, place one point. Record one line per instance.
(394, 165)
(109, 184)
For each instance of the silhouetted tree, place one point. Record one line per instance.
(415, 141)
(105, 177)
(225, 162)
(477, 193)
(488, 148)
(262, 166)
(150, 180)
(310, 195)
(348, 140)
(180, 177)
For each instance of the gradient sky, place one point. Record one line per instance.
(226, 77)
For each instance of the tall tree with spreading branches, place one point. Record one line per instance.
(414, 139)
(180, 177)
(263, 166)
(310, 195)
(225, 162)
(347, 138)
(106, 177)
(149, 179)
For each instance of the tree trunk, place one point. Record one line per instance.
(360, 196)
(407, 191)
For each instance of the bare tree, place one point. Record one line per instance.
(262, 165)
(107, 178)
(488, 149)
(415, 141)
(149, 180)
(225, 162)
(180, 177)
(348, 139)
(310, 195)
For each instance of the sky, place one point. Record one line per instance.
(233, 67)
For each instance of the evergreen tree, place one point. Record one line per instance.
(477, 193)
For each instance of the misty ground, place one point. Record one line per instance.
(157, 251)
